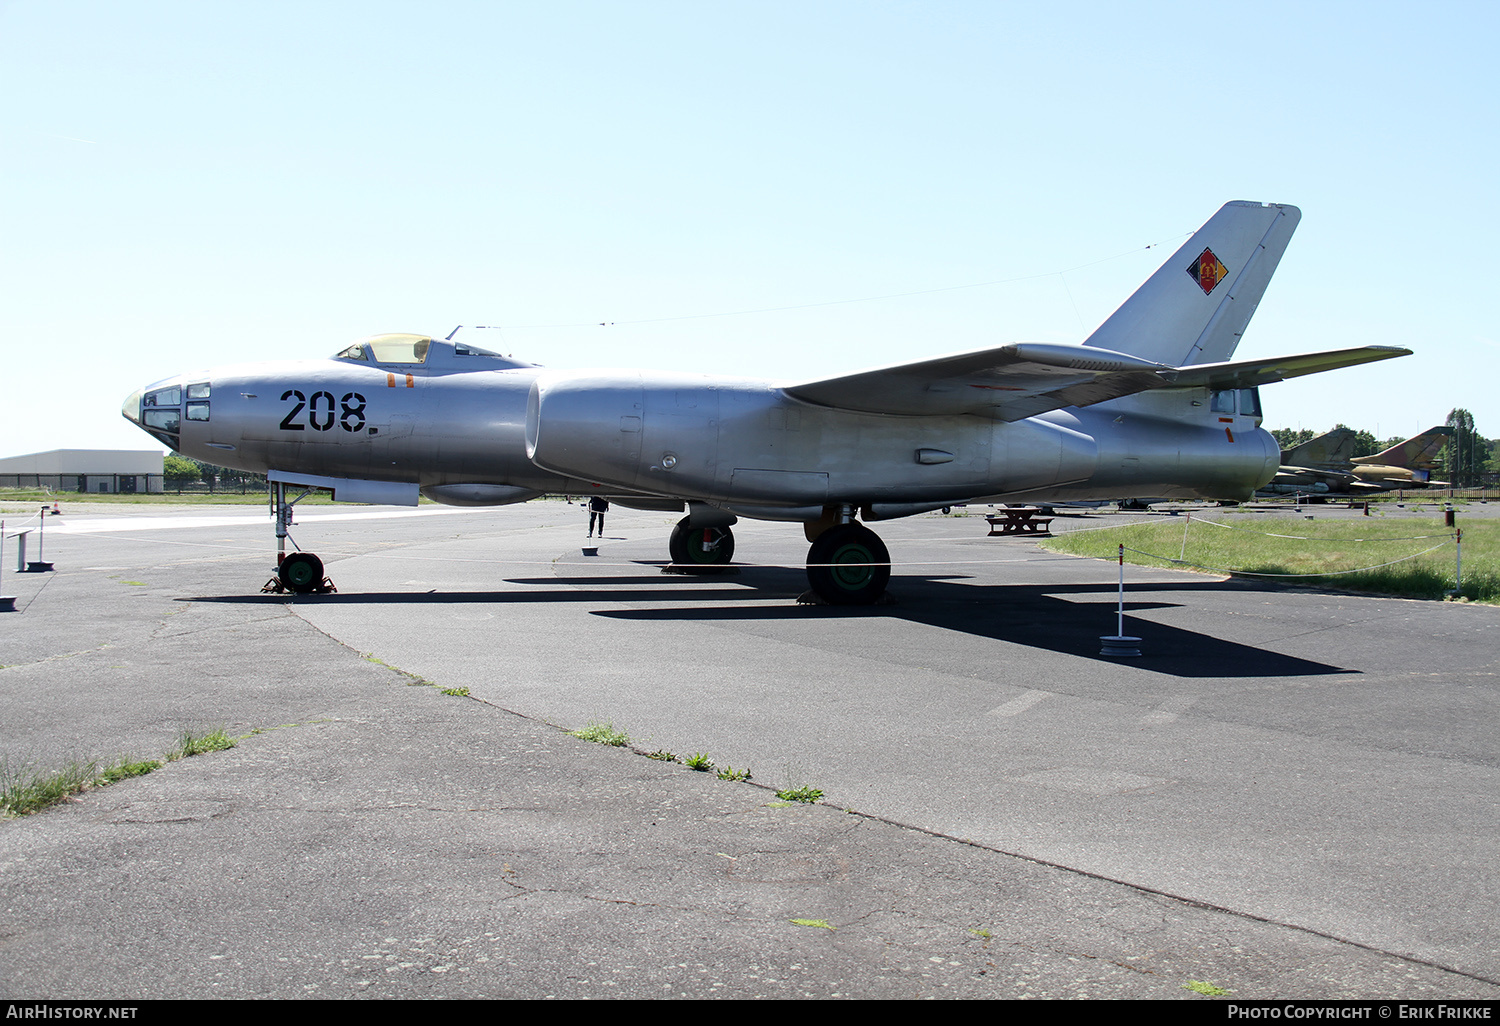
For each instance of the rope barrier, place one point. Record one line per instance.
(1299, 537)
(13, 527)
(1251, 573)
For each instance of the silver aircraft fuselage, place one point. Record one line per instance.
(478, 430)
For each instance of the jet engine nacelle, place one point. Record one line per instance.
(616, 427)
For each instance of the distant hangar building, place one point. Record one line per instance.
(101, 471)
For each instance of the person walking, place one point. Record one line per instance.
(598, 506)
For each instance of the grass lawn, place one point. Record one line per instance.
(1386, 557)
(26, 498)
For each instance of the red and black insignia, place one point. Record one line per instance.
(1208, 270)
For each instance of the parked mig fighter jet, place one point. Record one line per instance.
(1322, 465)
(1149, 405)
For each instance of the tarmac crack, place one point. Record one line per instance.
(157, 635)
(59, 657)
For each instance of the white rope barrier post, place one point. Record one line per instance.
(1458, 561)
(40, 565)
(1119, 644)
(7, 602)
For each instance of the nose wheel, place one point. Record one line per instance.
(300, 573)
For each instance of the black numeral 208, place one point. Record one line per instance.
(322, 414)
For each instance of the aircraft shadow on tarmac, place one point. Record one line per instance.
(1032, 615)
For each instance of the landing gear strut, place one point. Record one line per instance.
(700, 546)
(300, 572)
(848, 565)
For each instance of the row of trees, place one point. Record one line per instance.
(1467, 459)
(181, 472)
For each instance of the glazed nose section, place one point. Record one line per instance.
(157, 410)
(131, 408)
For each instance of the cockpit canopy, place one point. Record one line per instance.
(407, 350)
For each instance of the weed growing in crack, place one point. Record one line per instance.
(602, 734)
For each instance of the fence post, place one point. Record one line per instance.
(7, 602)
(1119, 644)
(1458, 561)
(40, 564)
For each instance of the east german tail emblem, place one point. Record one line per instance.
(1208, 270)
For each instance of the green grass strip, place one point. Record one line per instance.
(1413, 558)
(25, 789)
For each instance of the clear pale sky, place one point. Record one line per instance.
(194, 183)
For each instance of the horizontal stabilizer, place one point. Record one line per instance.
(1027, 378)
(1249, 373)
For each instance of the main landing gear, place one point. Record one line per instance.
(848, 564)
(700, 547)
(299, 572)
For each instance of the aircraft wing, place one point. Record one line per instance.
(1010, 383)
(1024, 379)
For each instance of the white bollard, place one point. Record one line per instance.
(1119, 644)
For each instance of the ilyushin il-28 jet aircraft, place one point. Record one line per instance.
(1148, 406)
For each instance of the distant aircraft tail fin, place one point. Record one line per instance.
(1196, 306)
(1328, 449)
(1416, 453)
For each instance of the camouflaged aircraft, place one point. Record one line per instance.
(1324, 466)
(1150, 405)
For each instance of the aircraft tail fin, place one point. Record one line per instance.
(1416, 453)
(1196, 306)
(1328, 449)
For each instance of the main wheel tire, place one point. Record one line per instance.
(848, 566)
(700, 546)
(301, 572)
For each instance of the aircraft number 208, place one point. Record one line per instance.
(321, 412)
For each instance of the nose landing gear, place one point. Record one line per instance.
(300, 572)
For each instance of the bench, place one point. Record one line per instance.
(1019, 520)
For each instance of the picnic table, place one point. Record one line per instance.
(1019, 520)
